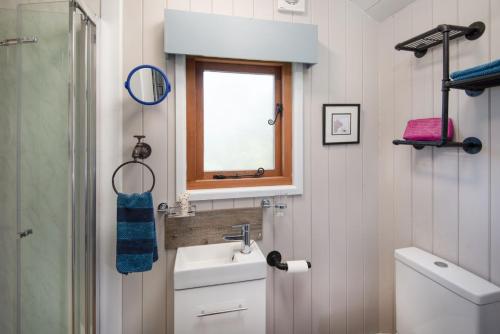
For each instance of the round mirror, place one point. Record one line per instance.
(147, 84)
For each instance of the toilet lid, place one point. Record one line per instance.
(457, 279)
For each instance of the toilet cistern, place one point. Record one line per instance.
(244, 237)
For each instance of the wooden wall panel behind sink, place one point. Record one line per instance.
(208, 227)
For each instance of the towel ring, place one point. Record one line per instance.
(133, 162)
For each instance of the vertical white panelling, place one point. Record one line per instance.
(283, 241)
(267, 245)
(263, 9)
(474, 169)
(354, 177)
(386, 179)
(243, 8)
(495, 149)
(315, 302)
(369, 137)
(132, 176)
(445, 170)
(320, 233)
(422, 107)
(155, 120)
(204, 6)
(223, 204)
(283, 281)
(337, 170)
(302, 212)
(244, 203)
(109, 126)
(178, 4)
(224, 7)
(402, 113)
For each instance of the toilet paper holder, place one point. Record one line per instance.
(274, 260)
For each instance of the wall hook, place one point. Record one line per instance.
(141, 150)
(278, 111)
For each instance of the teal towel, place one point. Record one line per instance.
(136, 247)
(484, 69)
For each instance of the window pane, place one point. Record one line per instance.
(237, 107)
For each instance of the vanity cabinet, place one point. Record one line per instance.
(222, 309)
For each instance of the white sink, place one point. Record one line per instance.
(206, 265)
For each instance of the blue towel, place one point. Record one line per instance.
(136, 247)
(484, 69)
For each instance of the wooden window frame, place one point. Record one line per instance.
(197, 178)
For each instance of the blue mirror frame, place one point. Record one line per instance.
(137, 68)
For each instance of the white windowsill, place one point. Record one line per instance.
(246, 192)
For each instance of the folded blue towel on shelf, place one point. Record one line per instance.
(136, 247)
(484, 69)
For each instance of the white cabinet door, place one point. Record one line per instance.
(222, 309)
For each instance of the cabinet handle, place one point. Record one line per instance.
(238, 309)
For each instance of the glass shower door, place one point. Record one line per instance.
(47, 169)
(44, 170)
(8, 175)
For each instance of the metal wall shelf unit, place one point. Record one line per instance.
(443, 34)
(421, 43)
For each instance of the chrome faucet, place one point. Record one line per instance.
(244, 237)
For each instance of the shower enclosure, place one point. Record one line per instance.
(47, 168)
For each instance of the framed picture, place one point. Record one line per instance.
(341, 124)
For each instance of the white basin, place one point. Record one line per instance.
(206, 265)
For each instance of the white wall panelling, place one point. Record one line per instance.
(441, 200)
(109, 126)
(334, 223)
(382, 9)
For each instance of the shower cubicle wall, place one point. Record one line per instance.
(47, 168)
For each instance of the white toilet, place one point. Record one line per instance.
(434, 296)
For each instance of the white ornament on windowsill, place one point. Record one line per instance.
(184, 203)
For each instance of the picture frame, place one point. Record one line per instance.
(341, 124)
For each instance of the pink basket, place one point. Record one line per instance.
(426, 129)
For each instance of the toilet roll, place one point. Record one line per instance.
(297, 266)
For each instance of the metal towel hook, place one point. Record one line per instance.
(141, 150)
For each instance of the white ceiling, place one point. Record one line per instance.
(382, 9)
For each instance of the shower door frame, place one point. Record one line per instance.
(91, 86)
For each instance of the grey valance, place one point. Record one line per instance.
(240, 38)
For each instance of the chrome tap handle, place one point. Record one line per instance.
(242, 227)
(244, 237)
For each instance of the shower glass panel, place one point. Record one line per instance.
(8, 175)
(44, 169)
(47, 170)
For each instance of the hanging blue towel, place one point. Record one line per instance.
(484, 69)
(136, 247)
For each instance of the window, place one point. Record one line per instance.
(229, 138)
